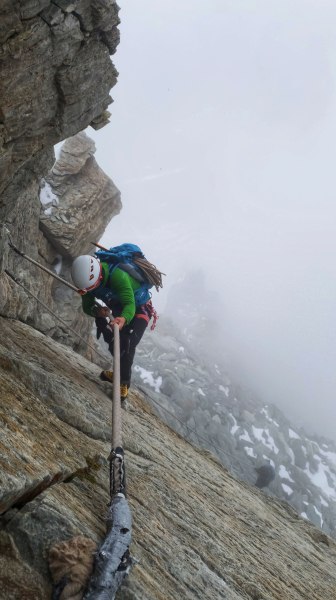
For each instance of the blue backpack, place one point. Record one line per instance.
(124, 257)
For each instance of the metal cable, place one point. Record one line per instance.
(190, 429)
(54, 314)
(37, 264)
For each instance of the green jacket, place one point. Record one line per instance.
(122, 284)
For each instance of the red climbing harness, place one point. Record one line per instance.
(147, 312)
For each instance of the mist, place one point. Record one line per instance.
(222, 142)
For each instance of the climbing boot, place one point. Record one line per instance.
(123, 391)
(106, 376)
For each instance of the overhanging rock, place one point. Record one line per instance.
(78, 198)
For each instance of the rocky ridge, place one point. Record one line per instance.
(199, 400)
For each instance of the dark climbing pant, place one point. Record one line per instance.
(130, 336)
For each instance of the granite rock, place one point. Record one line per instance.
(197, 531)
(85, 199)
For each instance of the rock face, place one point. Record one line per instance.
(197, 532)
(79, 199)
(55, 79)
(57, 218)
(56, 74)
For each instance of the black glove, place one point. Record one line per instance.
(103, 328)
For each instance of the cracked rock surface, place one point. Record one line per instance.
(56, 75)
(86, 199)
(60, 49)
(53, 219)
(197, 532)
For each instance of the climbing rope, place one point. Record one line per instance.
(150, 272)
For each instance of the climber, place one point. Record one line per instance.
(266, 474)
(119, 291)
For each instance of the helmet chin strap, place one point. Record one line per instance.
(95, 285)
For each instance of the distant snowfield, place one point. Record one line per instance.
(305, 468)
(322, 479)
(263, 436)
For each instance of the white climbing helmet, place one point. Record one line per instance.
(86, 273)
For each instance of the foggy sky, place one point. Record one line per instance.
(222, 142)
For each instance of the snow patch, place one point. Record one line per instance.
(250, 451)
(57, 266)
(245, 436)
(330, 456)
(263, 436)
(57, 150)
(235, 426)
(258, 434)
(319, 514)
(321, 481)
(201, 393)
(287, 489)
(224, 389)
(265, 413)
(47, 197)
(293, 435)
(283, 473)
(147, 377)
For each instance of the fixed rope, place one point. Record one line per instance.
(190, 429)
(113, 560)
(200, 437)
